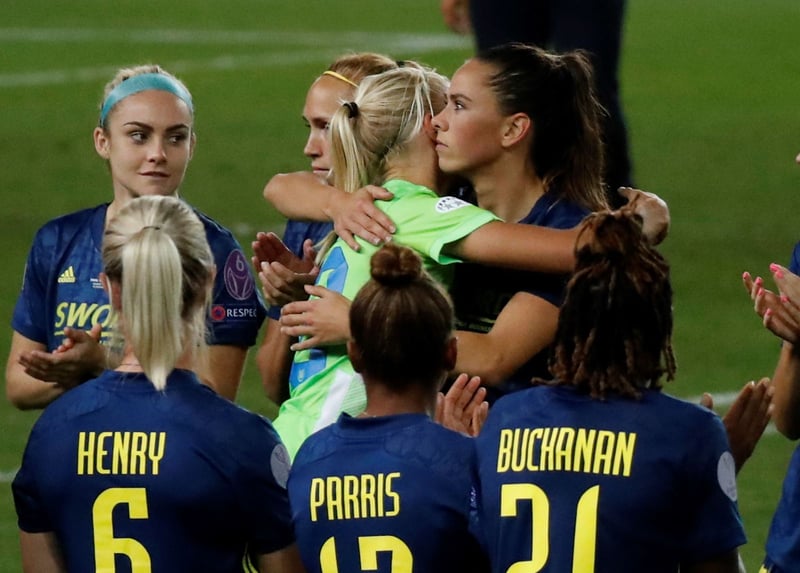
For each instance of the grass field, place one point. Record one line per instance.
(711, 92)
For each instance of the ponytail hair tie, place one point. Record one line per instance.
(352, 109)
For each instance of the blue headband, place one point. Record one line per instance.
(140, 83)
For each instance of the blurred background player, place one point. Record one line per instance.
(146, 136)
(411, 479)
(144, 465)
(598, 470)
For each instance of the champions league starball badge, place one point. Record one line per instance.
(238, 280)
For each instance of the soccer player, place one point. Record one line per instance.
(780, 313)
(523, 127)
(335, 85)
(146, 136)
(598, 471)
(386, 136)
(390, 486)
(144, 467)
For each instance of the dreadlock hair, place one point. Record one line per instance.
(615, 327)
(401, 321)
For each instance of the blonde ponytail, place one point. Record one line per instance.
(156, 249)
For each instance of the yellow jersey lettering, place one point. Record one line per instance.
(517, 457)
(155, 451)
(138, 452)
(583, 450)
(98, 318)
(566, 437)
(392, 495)
(548, 448)
(504, 451)
(86, 442)
(369, 495)
(333, 492)
(603, 452)
(102, 452)
(354, 496)
(350, 497)
(122, 443)
(61, 318)
(79, 314)
(120, 453)
(316, 497)
(531, 438)
(623, 458)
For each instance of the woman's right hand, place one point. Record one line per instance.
(283, 275)
(652, 209)
(323, 320)
(356, 214)
(779, 313)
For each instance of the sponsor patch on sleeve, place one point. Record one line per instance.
(280, 464)
(726, 475)
(238, 281)
(447, 204)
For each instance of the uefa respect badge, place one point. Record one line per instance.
(238, 281)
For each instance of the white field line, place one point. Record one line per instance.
(721, 400)
(287, 48)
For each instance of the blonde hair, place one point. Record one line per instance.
(355, 67)
(156, 249)
(128, 73)
(387, 112)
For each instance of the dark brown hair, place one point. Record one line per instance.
(615, 327)
(556, 91)
(401, 321)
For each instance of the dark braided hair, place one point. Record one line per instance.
(401, 321)
(615, 327)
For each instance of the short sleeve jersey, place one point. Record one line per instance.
(322, 381)
(794, 264)
(294, 236)
(480, 293)
(137, 479)
(783, 541)
(575, 484)
(61, 287)
(396, 491)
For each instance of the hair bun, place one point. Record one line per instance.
(616, 235)
(394, 265)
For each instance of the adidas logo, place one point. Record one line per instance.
(68, 276)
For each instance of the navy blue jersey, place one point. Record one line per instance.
(386, 494)
(479, 293)
(783, 541)
(294, 236)
(180, 480)
(62, 287)
(568, 483)
(794, 264)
